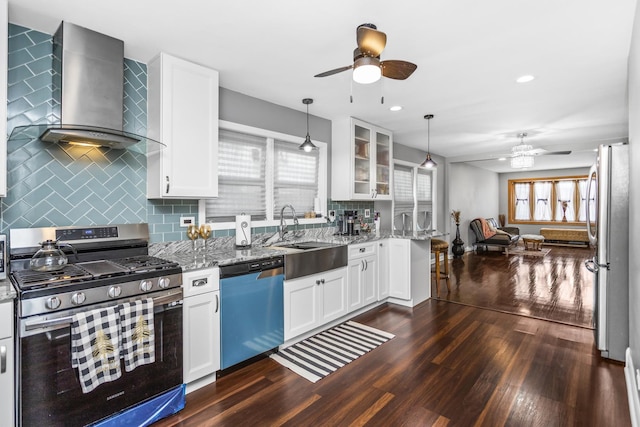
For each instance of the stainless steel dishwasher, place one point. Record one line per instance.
(251, 309)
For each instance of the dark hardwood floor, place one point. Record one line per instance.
(555, 287)
(449, 364)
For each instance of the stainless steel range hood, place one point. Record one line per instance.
(88, 88)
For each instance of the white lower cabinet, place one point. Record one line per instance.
(409, 271)
(6, 363)
(383, 269)
(314, 300)
(363, 275)
(201, 327)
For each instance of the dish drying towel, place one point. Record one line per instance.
(95, 347)
(137, 333)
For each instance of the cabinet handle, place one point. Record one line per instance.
(3, 359)
(217, 303)
(318, 282)
(322, 281)
(199, 282)
(366, 264)
(167, 178)
(362, 250)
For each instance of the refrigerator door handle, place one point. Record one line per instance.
(591, 229)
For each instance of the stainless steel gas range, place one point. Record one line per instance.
(108, 268)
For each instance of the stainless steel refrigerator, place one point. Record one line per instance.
(609, 235)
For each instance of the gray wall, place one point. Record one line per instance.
(475, 193)
(504, 193)
(634, 193)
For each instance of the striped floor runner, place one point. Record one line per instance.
(319, 355)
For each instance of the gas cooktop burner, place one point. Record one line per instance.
(90, 270)
(142, 263)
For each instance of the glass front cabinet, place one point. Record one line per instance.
(361, 159)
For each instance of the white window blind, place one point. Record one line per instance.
(241, 177)
(295, 179)
(403, 201)
(424, 195)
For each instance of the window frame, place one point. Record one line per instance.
(553, 180)
(272, 218)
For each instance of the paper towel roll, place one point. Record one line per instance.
(243, 230)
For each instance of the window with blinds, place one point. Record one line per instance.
(403, 200)
(241, 178)
(424, 199)
(295, 178)
(258, 175)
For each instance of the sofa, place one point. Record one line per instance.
(490, 234)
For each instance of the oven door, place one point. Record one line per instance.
(49, 390)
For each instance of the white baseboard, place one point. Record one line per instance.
(632, 390)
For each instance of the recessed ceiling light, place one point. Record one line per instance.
(502, 159)
(525, 79)
(396, 108)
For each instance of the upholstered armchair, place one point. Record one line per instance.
(488, 233)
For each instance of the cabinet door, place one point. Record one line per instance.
(355, 284)
(201, 327)
(334, 294)
(6, 362)
(400, 268)
(382, 165)
(301, 305)
(383, 270)
(183, 115)
(363, 150)
(369, 279)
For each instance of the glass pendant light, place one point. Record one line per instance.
(428, 162)
(307, 145)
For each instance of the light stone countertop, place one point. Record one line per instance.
(222, 251)
(7, 293)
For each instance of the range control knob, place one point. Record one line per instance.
(146, 285)
(78, 298)
(114, 291)
(164, 282)
(52, 303)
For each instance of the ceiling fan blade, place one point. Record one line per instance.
(371, 42)
(398, 70)
(551, 153)
(334, 71)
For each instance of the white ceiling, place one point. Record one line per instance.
(468, 53)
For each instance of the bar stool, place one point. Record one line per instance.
(438, 246)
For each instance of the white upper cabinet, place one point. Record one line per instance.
(183, 115)
(361, 156)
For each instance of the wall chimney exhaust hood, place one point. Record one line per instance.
(88, 90)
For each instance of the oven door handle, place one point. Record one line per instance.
(172, 298)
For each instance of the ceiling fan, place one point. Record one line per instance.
(522, 154)
(367, 66)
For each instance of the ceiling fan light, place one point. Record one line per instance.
(366, 70)
(522, 162)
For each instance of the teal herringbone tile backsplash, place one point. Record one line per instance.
(50, 184)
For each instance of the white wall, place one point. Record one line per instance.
(504, 191)
(475, 193)
(634, 193)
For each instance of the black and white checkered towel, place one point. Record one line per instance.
(137, 334)
(95, 347)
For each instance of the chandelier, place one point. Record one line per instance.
(521, 154)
